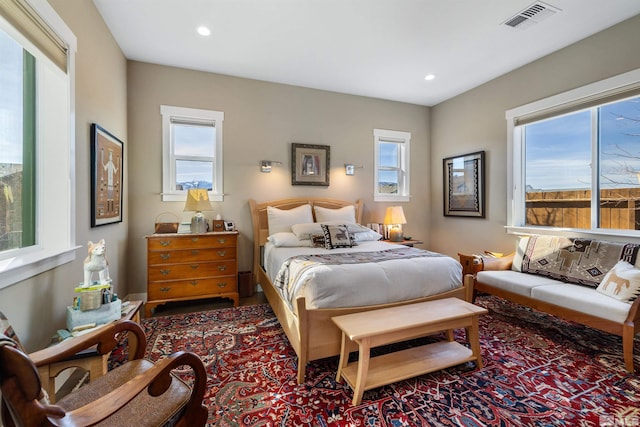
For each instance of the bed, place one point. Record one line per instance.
(307, 323)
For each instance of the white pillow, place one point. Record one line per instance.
(304, 231)
(364, 236)
(622, 282)
(346, 215)
(287, 240)
(281, 220)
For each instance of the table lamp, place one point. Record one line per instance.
(393, 219)
(198, 201)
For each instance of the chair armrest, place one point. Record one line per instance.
(157, 379)
(497, 263)
(104, 339)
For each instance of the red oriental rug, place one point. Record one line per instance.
(539, 371)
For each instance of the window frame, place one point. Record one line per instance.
(197, 117)
(55, 186)
(404, 140)
(588, 95)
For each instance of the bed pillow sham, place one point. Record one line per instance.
(346, 215)
(287, 240)
(281, 220)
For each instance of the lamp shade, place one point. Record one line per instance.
(198, 200)
(394, 215)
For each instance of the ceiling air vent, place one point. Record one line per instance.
(531, 15)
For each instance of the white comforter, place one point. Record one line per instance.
(354, 285)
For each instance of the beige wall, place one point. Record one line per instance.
(261, 121)
(476, 121)
(36, 307)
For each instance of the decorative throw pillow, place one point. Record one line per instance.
(575, 260)
(336, 236)
(317, 240)
(622, 282)
(304, 231)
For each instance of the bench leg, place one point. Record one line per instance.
(363, 370)
(628, 334)
(344, 356)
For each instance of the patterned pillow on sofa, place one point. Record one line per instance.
(580, 261)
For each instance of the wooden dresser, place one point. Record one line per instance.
(191, 266)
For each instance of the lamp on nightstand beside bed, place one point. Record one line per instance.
(393, 219)
(198, 201)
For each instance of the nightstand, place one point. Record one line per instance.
(191, 266)
(409, 242)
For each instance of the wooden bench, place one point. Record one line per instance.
(390, 325)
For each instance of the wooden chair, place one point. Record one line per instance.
(138, 392)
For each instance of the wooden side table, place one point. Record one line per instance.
(406, 242)
(90, 361)
(395, 324)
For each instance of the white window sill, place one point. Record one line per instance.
(181, 196)
(22, 267)
(391, 198)
(630, 236)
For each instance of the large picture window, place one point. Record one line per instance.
(576, 165)
(37, 168)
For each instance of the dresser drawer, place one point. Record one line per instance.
(192, 270)
(191, 288)
(199, 241)
(191, 255)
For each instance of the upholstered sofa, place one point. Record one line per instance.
(592, 282)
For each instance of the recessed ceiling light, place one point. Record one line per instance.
(203, 31)
(429, 77)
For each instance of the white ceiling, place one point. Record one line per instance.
(376, 48)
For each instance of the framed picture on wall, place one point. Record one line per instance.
(464, 185)
(106, 177)
(310, 164)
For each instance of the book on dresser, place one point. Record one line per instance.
(183, 267)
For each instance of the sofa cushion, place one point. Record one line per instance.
(580, 261)
(622, 282)
(583, 300)
(512, 281)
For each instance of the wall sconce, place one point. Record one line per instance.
(350, 169)
(265, 165)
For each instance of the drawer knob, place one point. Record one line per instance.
(165, 272)
(195, 252)
(165, 242)
(222, 267)
(195, 239)
(165, 289)
(222, 284)
(194, 283)
(222, 253)
(194, 266)
(165, 256)
(222, 240)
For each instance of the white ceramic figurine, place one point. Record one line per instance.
(96, 261)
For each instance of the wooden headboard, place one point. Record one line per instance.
(261, 223)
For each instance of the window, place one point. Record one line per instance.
(36, 123)
(576, 164)
(17, 139)
(392, 165)
(192, 152)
